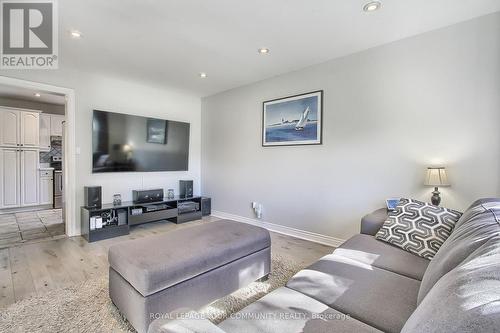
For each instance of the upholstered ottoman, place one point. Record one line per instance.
(185, 268)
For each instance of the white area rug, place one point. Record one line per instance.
(87, 307)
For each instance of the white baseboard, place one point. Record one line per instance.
(307, 235)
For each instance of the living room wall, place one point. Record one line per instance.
(389, 112)
(94, 91)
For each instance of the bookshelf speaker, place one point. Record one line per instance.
(93, 196)
(185, 188)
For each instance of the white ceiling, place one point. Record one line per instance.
(170, 42)
(29, 95)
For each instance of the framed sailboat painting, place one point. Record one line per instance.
(293, 120)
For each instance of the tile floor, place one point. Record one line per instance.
(18, 228)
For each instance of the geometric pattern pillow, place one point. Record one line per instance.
(418, 227)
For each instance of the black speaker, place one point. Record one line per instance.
(206, 206)
(185, 188)
(93, 196)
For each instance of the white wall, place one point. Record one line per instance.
(124, 96)
(389, 112)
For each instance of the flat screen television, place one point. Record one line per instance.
(126, 143)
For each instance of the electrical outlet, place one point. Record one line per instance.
(257, 208)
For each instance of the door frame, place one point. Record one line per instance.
(69, 147)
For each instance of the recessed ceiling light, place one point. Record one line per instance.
(37, 94)
(75, 34)
(372, 6)
(263, 50)
(203, 75)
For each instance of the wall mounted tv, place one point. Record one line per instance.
(126, 143)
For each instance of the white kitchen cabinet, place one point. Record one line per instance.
(46, 187)
(19, 157)
(56, 125)
(29, 177)
(19, 177)
(30, 127)
(10, 168)
(9, 127)
(45, 132)
(19, 128)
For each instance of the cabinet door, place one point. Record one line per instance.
(9, 128)
(45, 132)
(9, 178)
(46, 190)
(30, 128)
(29, 177)
(56, 125)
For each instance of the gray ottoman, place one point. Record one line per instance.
(186, 268)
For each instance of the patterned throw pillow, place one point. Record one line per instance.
(418, 227)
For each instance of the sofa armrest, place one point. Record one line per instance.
(371, 223)
(189, 322)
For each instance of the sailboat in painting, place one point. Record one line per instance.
(294, 120)
(303, 120)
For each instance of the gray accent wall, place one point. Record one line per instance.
(389, 112)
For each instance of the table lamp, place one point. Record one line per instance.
(436, 177)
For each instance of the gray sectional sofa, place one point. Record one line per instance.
(367, 285)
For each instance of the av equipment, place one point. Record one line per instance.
(185, 188)
(122, 216)
(136, 211)
(92, 196)
(206, 206)
(188, 206)
(153, 208)
(143, 196)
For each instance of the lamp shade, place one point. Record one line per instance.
(436, 177)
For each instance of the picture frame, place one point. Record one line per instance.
(293, 120)
(156, 131)
(391, 203)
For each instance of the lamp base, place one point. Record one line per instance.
(436, 199)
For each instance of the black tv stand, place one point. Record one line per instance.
(119, 218)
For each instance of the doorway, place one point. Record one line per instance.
(37, 143)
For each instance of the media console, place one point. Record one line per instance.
(111, 220)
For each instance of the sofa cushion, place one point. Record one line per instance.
(154, 263)
(466, 299)
(479, 223)
(418, 227)
(375, 296)
(286, 310)
(371, 251)
(372, 222)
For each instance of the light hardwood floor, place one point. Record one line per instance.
(35, 268)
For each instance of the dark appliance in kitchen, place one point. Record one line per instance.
(58, 181)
